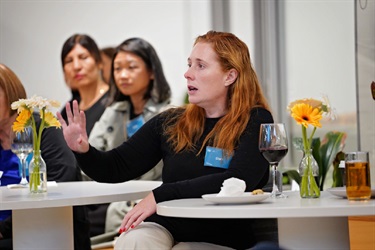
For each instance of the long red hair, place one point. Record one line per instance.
(186, 127)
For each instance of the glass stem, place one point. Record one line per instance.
(23, 171)
(275, 189)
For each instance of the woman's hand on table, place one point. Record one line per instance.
(75, 130)
(141, 211)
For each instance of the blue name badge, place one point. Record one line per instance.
(215, 158)
(133, 125)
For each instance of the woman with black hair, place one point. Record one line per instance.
(138, 92)
(82, 67)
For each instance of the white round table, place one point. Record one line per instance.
(302, 223)
(45, 221)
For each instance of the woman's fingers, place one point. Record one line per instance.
(77, 117)
(138, 220)
(61, 120)
(69, 114)
(140, 212)
(127, 221)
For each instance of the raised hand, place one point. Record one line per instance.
(75, 131)
(141, 211)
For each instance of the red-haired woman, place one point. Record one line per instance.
(226, 109)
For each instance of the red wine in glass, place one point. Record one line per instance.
(273, 145)
(274, 154)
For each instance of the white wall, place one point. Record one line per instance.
(319, 45)
(366, 74)
(32, 34)
(320, 59)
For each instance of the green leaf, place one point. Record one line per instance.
(336, 176)
(324, 153)
(293, 175)
(333, 142)
(297, 143)
(315, 146)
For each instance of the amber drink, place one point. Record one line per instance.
(357, 168)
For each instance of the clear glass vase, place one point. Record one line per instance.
(309, 172)
(37, 173)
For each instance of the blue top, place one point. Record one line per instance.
(11, 175)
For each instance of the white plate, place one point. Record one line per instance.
(242, 199)
(341, 191)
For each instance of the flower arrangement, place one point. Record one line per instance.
(308, 112)
(25, 118)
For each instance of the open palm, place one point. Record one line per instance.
(75, 129)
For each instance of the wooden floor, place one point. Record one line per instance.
(362, 232)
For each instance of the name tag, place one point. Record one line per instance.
(133, 125)
(215, 158)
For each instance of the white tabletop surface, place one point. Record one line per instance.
(75, 193)
(327, 205)
(302, 223)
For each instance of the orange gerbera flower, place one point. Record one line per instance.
(22, 121)
(306, 115)
(25, 108)
(51, 121)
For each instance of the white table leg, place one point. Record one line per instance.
(314, 233)
(43, 228)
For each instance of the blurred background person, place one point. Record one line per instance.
(60, 161)
(82, 66)
(107, 55)
(138, 91)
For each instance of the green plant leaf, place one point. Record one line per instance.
(293, 175)
(315, 146)
(324, 153)
(332, 143)
(336, 175)
(297, 143)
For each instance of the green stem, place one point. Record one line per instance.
(304, 139)
(41, 127)
(311, 137)
(35, 138)
(35, 175)
(309, 188)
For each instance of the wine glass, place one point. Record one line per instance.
(273, 144)
(22, 146)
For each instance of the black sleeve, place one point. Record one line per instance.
(6, 227)
(247, 164)
(63, 114)
(130, 160)
(60, 160)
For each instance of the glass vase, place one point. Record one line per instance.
(37, 173)
(309, 171)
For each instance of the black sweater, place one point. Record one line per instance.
(185, 176)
